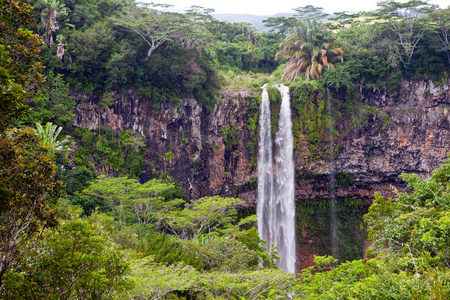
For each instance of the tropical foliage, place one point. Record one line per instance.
(406, 21)
(27, 175)
(48, 137)
(309, 49)
(20, 68)
(409, 254)
(77, 259)
(128, 238)
(51, 11)
(27, 187)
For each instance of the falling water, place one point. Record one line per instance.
(276, 208)
(333, 211)
(265, 172)
(284, 184)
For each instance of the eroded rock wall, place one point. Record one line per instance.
(409, 131)
(187, 142)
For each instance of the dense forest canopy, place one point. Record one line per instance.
(67, 232)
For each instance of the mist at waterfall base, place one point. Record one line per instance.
(276, 207)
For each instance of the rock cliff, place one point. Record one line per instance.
(199, 158)
(214, 152)
(412, 136)
(408, 131)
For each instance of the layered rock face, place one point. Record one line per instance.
(199, 158)
(409, 131)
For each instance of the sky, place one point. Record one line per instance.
(255, 7)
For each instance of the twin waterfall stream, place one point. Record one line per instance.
(275, 207)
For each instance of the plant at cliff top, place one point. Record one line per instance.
(309, 49)
(239, 81)
(51, 10)
(441, 20)
(339, 79)
(153, 25)
(407, 22)
(303, 91)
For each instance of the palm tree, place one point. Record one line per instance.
(309, 50)
(51, 10)
(49, 138)
(60, 50)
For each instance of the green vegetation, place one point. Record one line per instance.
(252, 104)
(311, 123)
(165, 56)
(27, 175)
(77, 259)
(313, 222)
(48, 137)
(408, 257)
(345, 178)
(230, 134)
(93, 237)
(52, 104)
(96, 52)
(122, 152)
(309, 50)
(399, 41)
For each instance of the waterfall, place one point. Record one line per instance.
(284, 185)
(265, 172)
(276, 207)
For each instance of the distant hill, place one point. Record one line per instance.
(255, 20)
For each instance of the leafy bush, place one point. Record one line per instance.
(168, 253)
(94, 268)
(340, 80)
(409, 248)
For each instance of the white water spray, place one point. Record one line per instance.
(265, 171)
(276, 207)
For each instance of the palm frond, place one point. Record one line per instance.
(324, 59)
